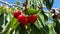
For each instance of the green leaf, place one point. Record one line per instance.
(32, 11)
(42, 21)
(17, 32)
(57, 27)
(1, 10)
(11, 31)
(48, 3)
(1, 19)
(1, 29)
(22, 29)
(34, 29)
(46, 29)
(45, 16)
(51, 30)
(40, 18)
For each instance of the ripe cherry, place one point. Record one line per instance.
(17, 13)
(55, 16)
(22, 19)
(32, 19)
(52, 10)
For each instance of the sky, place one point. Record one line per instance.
(55, 5)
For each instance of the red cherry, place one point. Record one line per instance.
(32, 19)
(55, 16)
(17, 13)
(52, 10)
(22, 19)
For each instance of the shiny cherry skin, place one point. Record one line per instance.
(32, 19)
(55, 16)
(17, 13)
(22, 19)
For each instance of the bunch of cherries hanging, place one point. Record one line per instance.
(23, 19)
(56, 15)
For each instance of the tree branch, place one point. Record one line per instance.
(26, 5)
(6, 3)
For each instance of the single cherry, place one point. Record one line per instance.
(52, 10)
(32, 19)
(17, 13)
(55, 16)
(22, 19)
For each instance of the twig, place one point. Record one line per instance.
(6, 3)
(26, 5)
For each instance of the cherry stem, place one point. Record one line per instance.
(26, 5)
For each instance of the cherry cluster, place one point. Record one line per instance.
(22, 19)
(55, 14)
